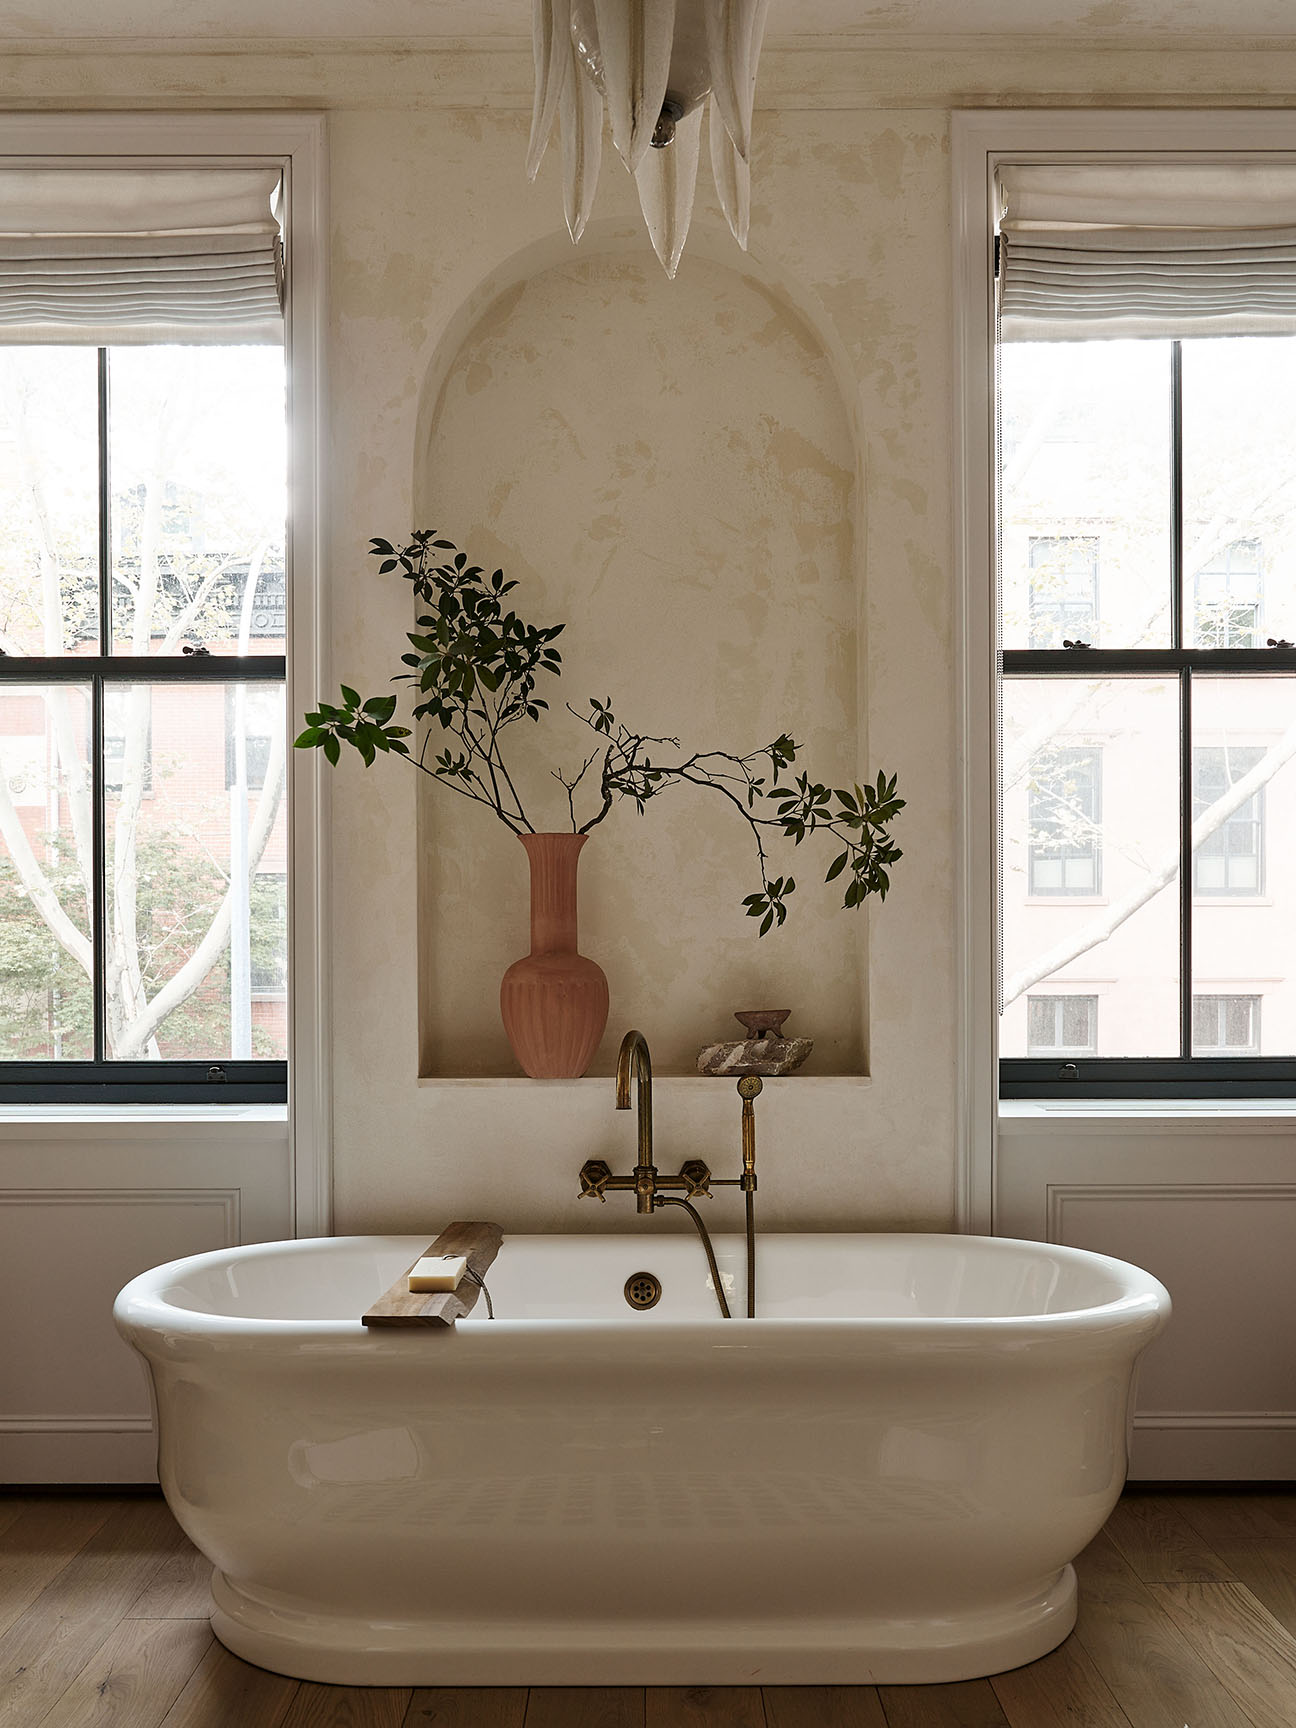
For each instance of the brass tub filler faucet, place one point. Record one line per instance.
(695, 1178)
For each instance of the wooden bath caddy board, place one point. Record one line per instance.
(401, 1306)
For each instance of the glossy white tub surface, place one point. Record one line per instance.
(883, 1478)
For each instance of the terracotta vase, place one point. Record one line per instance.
(554, 1003)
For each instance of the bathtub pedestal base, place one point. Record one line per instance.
(287, 1638)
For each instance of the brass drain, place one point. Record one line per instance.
(643, 1290)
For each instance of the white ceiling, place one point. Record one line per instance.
(203, 20)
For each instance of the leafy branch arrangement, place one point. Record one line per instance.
(476, 667)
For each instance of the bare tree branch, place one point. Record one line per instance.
(1098, 929)
(37, 884)
(182, 984)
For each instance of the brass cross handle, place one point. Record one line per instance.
(594, 1178)
(696, 1178)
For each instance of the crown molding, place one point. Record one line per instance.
(862, 43)
(810, 74)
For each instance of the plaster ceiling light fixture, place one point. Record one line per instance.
(651, 64)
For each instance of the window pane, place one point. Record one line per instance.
(198, 461)
(46, 962)
(1090, 868)
(195, 874)
(1244, 833)
(49, 501)
(1239, 501)
(1086, 493)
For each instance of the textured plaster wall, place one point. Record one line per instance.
(432, 220)
(859, 249)
(833, 391)
(668, 467)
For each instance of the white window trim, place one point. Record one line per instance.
(297, 142)
(980, 141)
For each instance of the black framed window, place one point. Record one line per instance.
(141, 585)
(1148, 754)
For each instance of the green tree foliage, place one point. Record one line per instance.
(477, 669)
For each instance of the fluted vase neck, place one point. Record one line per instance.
(554, 859)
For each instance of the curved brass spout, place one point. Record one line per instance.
(694, 1179)
(634, 1053)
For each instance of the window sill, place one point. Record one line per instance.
(1057, 900)
(1113, 1116)
(267, 1122)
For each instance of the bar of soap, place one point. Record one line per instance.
(437, 1271)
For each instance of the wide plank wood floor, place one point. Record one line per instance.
(1187, 1620)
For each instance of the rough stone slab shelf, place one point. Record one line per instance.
(662, 1080)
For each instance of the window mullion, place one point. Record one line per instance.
(1185, 702)
(105, 514)
(99, 839)
(1176, 496)
(99, 852)
(1185, 863)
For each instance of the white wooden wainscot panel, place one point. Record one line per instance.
(74, 1399)
(87, 1200)
(64, 1255)
(1217, 1391)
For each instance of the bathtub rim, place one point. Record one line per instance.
(144, 1316)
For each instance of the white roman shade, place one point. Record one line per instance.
(1147, 249)
(119, 254)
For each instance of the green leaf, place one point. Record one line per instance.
(332, 749)
(767, 924)
(350, 697)
(837, 866)
(307, 739)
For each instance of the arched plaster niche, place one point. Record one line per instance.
(671, 470)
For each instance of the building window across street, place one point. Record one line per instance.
(1063, 592)
(1065, 816)
(1230, 858)
(1226, 1025)
(1228, 592)
(1062, 1025)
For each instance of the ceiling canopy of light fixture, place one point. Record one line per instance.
(653, 63)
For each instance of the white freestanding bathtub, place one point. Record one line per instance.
(882, 1479)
